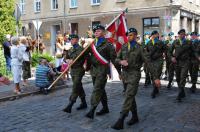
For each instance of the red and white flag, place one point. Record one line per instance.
(116, 31)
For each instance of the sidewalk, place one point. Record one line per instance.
(6, 91)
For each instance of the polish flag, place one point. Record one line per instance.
(116, 31)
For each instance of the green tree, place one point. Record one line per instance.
(7, 26)
(7, 20)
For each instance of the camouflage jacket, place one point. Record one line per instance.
(77, 67)
(182, 52)
(107, 51)
(134, 56)
(154, 52)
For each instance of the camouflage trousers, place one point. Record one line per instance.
(194, 68)
(77, 89)
(181, 69)
(99, 93)
(131, 91)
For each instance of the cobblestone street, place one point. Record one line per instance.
(42, 113)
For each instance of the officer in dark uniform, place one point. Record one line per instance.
(154, 56)
(102, 53)
(194, 65)
(131, 58)
(77, 72)
(180, 56)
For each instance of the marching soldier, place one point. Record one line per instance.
(77, 73)
(194, 66)
(146, 70)
(102, 53)
(180, 56)
(170, 67)
(154, 54)
(131, 58)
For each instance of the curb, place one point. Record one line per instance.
(36, 92)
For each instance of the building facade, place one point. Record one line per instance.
(77, 16)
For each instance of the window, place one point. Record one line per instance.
(73, 3)
(95, 2)
(22, 6)
(54, 4)
(151, 24)
(37, 6)
(155, 21)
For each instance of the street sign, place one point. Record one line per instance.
(37, 24)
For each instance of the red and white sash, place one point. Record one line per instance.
(99, 57)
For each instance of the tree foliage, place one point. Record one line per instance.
(7, 20)
(7, 26)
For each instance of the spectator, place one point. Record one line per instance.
(6, 47)
(26, 65)
(42, 73)
(16, 63)
(59, 50)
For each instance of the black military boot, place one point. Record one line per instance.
(154, 92)
(181, 95)
(90, 114)
(147, 82)
(68, 109)
(120, 123)
(193, 88)
(134, 118)
(83, 104)
(104, 110)
(169, 85)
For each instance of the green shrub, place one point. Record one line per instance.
(36, 58)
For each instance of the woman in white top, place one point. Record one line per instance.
(59, 50)
(26, 59)
(16, 63)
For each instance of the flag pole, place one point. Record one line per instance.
(116, 18)
(69, 66)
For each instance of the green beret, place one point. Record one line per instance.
(96, 27)
(154, 32)
(132, 30)
(194, 33)
(171, 34)
(181, 31)
(71, 36)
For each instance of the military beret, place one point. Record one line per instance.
(71, 36)
(154, 32)
(194, 33)
(181, 31)
(132, 30)
(96, 27)
(147, 33)
(171, 34)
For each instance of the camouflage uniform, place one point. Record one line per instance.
(99, 74)
(134, 56)
(77, 72)
(194, 65)
(169, 65)
(154, 60)
(182, 52)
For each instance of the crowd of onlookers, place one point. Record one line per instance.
(17, 52)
